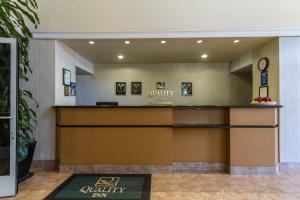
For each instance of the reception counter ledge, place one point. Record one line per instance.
(144, 139)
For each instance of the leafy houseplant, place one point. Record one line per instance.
(13, 16)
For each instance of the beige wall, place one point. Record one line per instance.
(171, 15)
(270, 50)
(212, 83)
(240, 88)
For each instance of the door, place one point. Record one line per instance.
(8, 117)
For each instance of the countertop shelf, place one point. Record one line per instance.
(174, 106)
(190, 125)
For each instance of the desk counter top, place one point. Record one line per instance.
(176, 106)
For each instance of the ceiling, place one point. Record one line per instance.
(173, 51)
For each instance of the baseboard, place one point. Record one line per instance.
(47, 165)
(175, 167)
(140, 169)
(289, 166)
(121, 169)
(200, 167)
(241, 170)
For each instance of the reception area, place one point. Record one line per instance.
(138, 139)
(186, 108)
(132, 100)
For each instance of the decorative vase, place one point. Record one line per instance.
(24, 165)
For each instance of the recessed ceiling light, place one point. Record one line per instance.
(204, 56)
(163, 42)
(199, 41)
(236, 41)
(91, 42)
(120, 57)
(127, 42)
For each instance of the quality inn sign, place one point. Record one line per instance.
(103, 187)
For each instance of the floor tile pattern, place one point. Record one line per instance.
(187, 186)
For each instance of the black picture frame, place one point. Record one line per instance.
(186, 89)
(66, 77)
(264, 91)
(136, 88)
(120, 88)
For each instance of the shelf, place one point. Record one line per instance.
(187, 125)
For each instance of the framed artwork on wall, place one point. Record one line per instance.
(67, 90)
(136, 88)
(66, 77)
(73, 89)
(264, 91)
(120, 88)
(186, 89)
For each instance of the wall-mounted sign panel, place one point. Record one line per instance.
(264, 78)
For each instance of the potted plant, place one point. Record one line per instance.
(14, 14)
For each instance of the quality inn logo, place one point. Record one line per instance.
(107, 182)
(103, 187)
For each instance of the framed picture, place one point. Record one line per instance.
(73, 89)
(186, 89)
(136, 88)
(264, 91)
(67, 90)
(66, 77)
(120, 88)
(264, 78)
(160, 85)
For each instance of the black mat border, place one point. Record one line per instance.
(146, 193)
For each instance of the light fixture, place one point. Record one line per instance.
(127, 42)
(199, 41)
(91, 42)
(204, 56)
(163, 42)
(236, 41)
(120, 57)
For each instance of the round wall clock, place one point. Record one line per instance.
(263, 64)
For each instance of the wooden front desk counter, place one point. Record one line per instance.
(243, 139)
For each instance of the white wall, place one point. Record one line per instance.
(290, 99)
(168, 15)
(211, 83)
(65, 58)
(47, 58)
(84, 64)
(42, 85)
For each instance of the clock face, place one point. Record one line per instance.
(263, 64)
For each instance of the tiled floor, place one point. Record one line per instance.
(188, 186)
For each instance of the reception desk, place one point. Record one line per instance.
(238, 139)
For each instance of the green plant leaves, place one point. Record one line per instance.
(12, 24)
